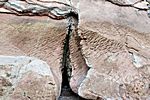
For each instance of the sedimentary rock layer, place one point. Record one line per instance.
(24, 77)
(109, 47)
(114, 41)
(36, 37)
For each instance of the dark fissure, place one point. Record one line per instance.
(66, 92)
(66, 70)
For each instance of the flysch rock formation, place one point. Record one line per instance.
(25, 78)
(107, 51)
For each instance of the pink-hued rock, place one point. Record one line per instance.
(78, 64)
(23, 78)
(116, 69)
(38, 37)
(109, 49)
(114, 42)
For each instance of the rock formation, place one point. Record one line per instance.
(99, 47)
(114, 42)
(23, 78)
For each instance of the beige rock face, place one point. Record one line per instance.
(114, 43)
(23, 78)
(38, 37)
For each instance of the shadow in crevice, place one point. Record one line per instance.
(66, 92)
(66, 69)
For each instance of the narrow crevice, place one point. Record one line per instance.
(66, 92)
(66, 69)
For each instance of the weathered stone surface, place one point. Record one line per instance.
(38, 37)
(131, 3)
(109, 53)
(103, 11)
(57, 10)
(23, 78)
(114, 43)
(78, 64)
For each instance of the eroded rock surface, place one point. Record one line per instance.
(78, 63)
(116, 69)
(23, 78)
(109, 47)
(114, 42)
(38, 37)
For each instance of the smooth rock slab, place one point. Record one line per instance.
(23, 78)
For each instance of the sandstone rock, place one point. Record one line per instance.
(114, 43)
(124, 2)
(131, 3)
(109, 49)
(38, 37)
(108, 12)
(78, 63)
(23, 78)
(141, 5)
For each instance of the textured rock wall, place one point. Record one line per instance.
(109, 44)
(115, 45)
(36, 37)
(23, 78)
